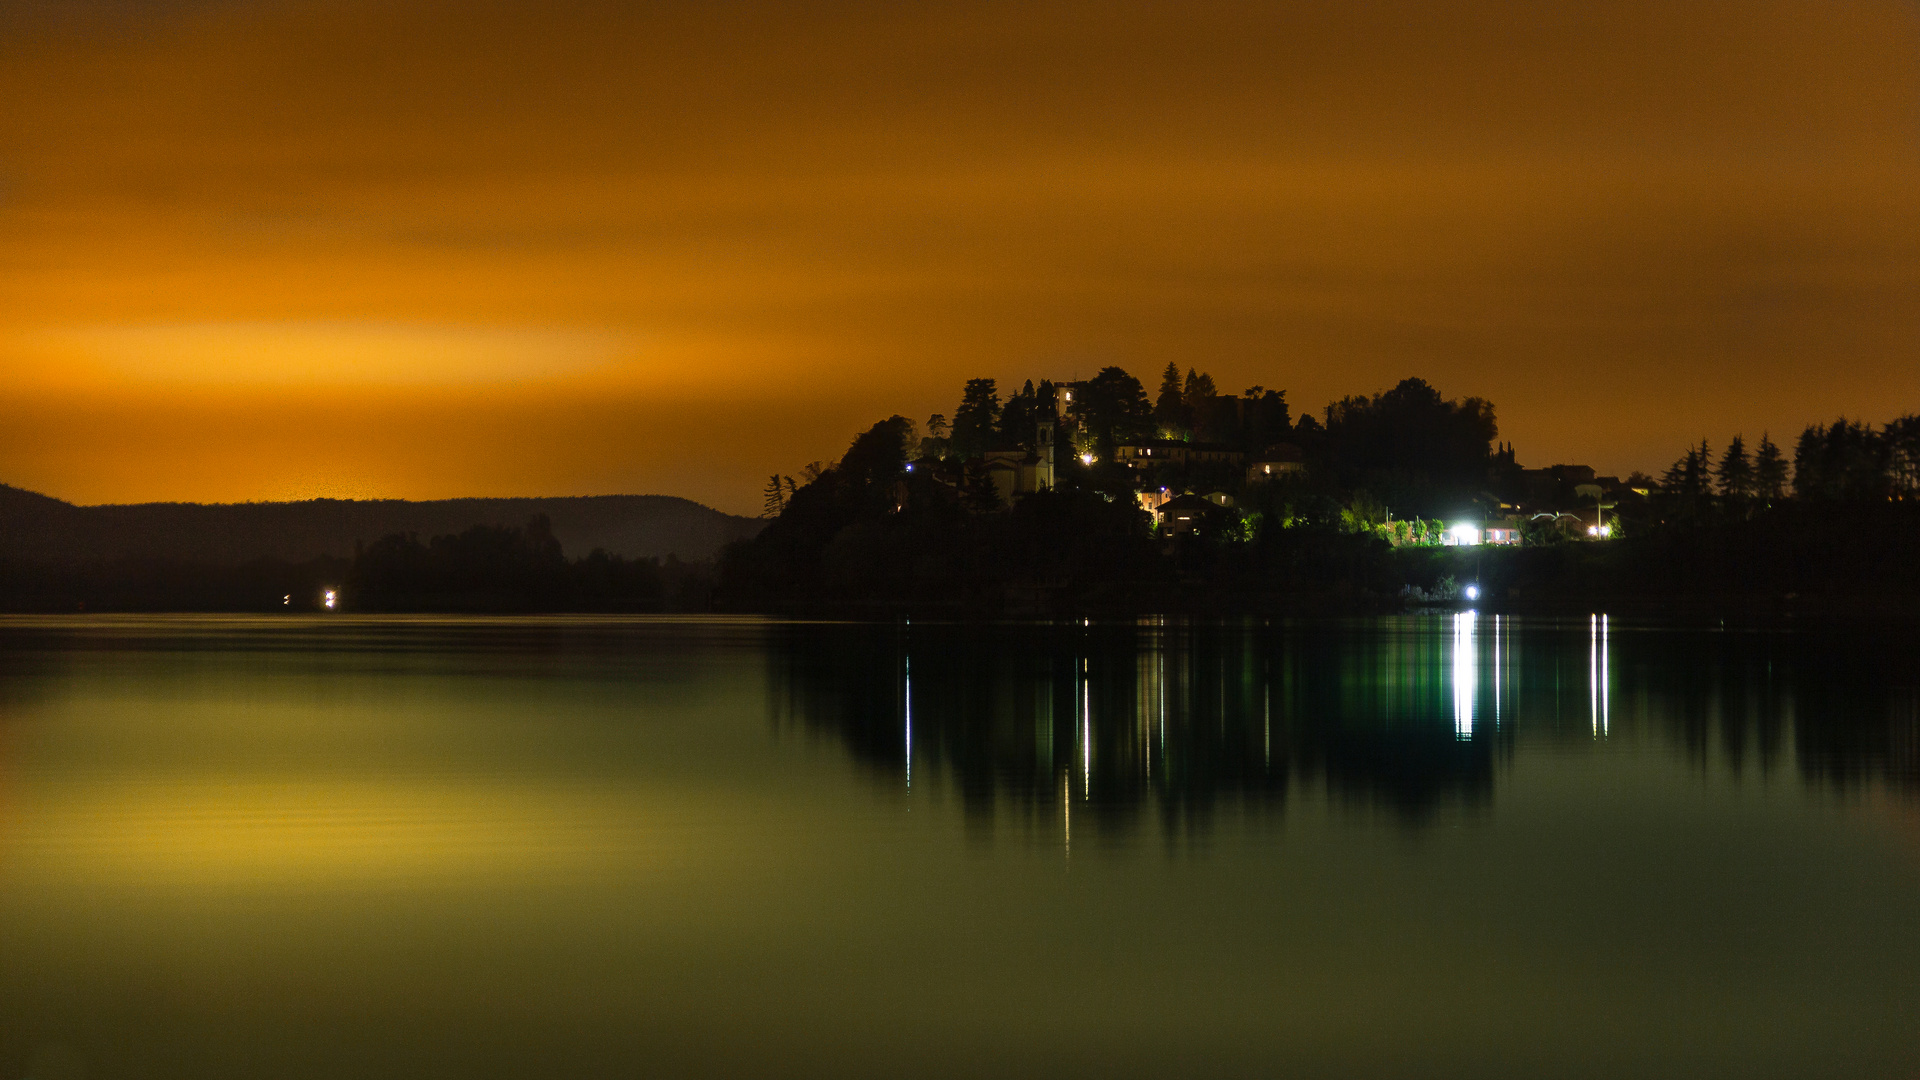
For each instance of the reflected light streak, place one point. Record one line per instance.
(1086, 735)
(1606, 681)
(909, 711)
(1465, 674)
(1496, 671)
(1599, 703)
(1266, 718)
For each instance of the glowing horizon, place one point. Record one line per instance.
(601, 250)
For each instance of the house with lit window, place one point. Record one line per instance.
(1175, 452)
(1276, 462)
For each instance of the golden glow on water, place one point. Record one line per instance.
(263, 832)
(489, 848)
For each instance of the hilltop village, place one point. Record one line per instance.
(1092, 495)
(1406, 464)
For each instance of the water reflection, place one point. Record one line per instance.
(1466, 674)
(1599, 699)
(1172, 719)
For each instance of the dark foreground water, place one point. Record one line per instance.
(1420, 847)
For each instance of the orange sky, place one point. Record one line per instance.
(266, 250)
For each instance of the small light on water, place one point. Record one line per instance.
(328, 598)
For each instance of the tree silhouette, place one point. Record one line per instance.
(1769, 471)
(1113, 409)
(1017, 419)
(1170, 406)
(1690, 477)
(973, 422)
(1846, 459)
(1198, 389)
(774, 499)
(1418, 451)
(1736, 471)
(1903, 448)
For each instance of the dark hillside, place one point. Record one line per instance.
(40, 529)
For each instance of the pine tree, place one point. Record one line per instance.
(1769, 471)
(1700, 470)
(973, 422)
(1736, 471)
(1690, 477)
(776, 498)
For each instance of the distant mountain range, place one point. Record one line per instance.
(38, 528)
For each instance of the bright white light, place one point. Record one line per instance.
(1464, 533)
(1473, 592)
(1593, 530)
(1606, 530)
(327, 598)
(909, 466)
(1466, 674)
(1086, 459)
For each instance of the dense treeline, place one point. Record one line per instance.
(493, 568)
(1836, 527)
(1844, 461)
(485, 568)
(167, 585)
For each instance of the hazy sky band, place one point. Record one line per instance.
(448, 235)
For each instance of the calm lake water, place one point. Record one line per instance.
(1441, 846)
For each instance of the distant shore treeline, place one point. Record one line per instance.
(489, 568)
(482, 569)
(643, 552)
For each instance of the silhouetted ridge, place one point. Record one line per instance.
(38, 528)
